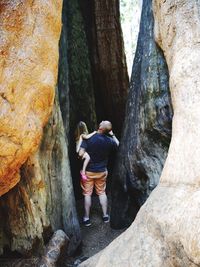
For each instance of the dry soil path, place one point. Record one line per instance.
(95, 237)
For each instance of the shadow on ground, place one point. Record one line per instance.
(95, 237)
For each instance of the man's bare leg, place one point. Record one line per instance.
(87, 205)
(104, 203)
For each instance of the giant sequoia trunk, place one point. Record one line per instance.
(43, 201)
(147, 128)
(63, 72)
(81, 94)
(102, 22)
(30, 32)
(108, 75)
(82, 104)
(166, 230)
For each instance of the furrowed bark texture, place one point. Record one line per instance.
(147, 128)
(81, 92)
(110, 76)
(30, 33)
(63, 72)
(82, 103)
(43, 202)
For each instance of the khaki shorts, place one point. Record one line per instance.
(95, 180)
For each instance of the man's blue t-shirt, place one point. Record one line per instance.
(99, 146)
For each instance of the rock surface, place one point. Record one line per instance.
(147, 127)
(166, 230)
(28, 65)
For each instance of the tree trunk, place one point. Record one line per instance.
(81, 94)
(102, 22)
(82, 103)
(63, 72)
(147, 130)
(166, 230)
(43, 201)
(28, 67)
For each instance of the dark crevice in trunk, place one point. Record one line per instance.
(104, 35)
(147, 127)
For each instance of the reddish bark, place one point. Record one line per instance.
(108, 59)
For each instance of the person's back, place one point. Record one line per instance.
(99, 147)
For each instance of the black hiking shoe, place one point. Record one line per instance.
(106, 218)
(86, 222)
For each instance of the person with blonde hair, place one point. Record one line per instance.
(98, 146)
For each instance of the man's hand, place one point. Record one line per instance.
(111, 133)
(114, 137)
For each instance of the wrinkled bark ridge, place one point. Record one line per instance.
(43, 201)
(147, 127)
(102, 23)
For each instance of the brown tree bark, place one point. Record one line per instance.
(102, 22)
(81, 92)
(30, 31)
(43, 201)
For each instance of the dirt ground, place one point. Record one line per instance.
(95, 237)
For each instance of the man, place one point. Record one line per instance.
(99, 147)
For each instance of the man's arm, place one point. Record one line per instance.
(114, 137)
(116, 140)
